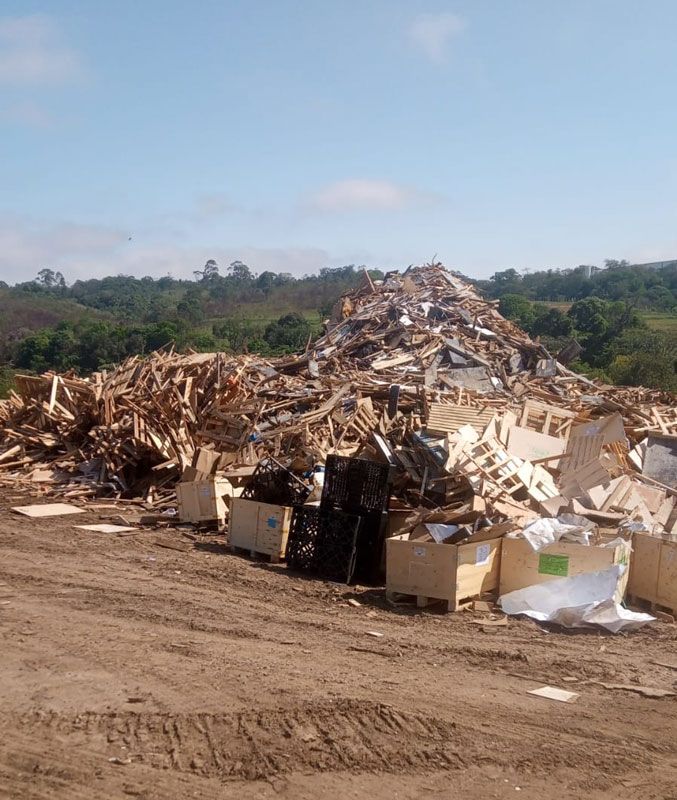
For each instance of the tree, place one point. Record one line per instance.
(644, 358)
(50, 279)
(290, 332)
(551, 322)
(240, 271)
(589, 316)
(209, 273)
(517, 308)
(266, 281)
(190, 308)
(506, 282)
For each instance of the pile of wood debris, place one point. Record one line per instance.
(417, 369)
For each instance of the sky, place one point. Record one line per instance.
(144, 138)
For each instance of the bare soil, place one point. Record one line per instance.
(131, 670)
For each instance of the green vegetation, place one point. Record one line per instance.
(618, 345)
(644, 287)
(624, 317)
(96, 323)
(6, 381)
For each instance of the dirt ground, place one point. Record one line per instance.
(132, 670)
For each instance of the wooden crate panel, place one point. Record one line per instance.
(259, 527)
(653, 574)
(521, 566)
(442, 571)
(203, 501)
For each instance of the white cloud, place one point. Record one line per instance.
(32, 51)
(433, 33)
(363, 194)
(89, 251)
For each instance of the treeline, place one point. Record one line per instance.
(644, 287)
(271, 313)
(617, 345)
(93, 345)
(210, 296)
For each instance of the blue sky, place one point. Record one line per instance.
(295, 135)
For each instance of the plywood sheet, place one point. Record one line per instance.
(533, 445)
(48, 510)
(553, 693)
(660, 461)
(105, 528)
(610, 428)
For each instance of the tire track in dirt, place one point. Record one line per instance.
(343, 735)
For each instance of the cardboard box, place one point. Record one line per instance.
(521, 566)
(259, 527)
(653, 572)
(204, 501)
(449, 572)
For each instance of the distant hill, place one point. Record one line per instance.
(22, 312)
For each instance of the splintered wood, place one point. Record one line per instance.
(418, 370)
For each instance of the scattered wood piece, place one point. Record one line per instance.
(48, 510)
(645, 691)
(553, 693)
(180, 546)
(103, 528)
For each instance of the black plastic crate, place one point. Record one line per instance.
(355, 485)
(323, 542)
(369, 566)
(303, 530)
(273, 483)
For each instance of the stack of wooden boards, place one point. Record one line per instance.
(417, 350)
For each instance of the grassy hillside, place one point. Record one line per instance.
(657, 320)
(31, 312)
(661, 321)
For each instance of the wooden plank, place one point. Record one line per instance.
(48, 510)
(443, 418)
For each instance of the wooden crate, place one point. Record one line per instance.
(522, 566)
(653, 572)
(260, 528)
(203, 501)
(448, 572)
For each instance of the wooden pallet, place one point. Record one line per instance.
(399, 598)
(663, 612)
(256, 555)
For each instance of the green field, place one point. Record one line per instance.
(658, 320)
(661, 321)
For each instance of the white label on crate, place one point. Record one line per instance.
(482, 554)
(419, 551)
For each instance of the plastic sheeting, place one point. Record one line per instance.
(548, 530)
(580, 601)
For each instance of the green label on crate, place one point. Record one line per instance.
(553, 565)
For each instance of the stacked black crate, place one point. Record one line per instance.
(342, 540)
(360, 489)
(323, 543)
(273, 483)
